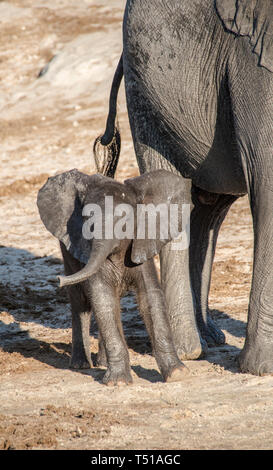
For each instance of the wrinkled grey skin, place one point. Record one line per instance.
(198, 80)
(99, 271)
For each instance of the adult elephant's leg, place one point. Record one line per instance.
(253, 125)
(206, 218)
(257, 354)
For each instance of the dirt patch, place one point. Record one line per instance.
(52, 423)
(23, 186)
(48, 124)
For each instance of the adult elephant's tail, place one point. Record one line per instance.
(106, 148)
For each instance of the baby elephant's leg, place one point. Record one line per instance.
(153, 309)
(106, 307)
(81, 316)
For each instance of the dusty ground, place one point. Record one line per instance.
(47, 124)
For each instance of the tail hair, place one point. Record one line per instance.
(106, 147)
(106, 156)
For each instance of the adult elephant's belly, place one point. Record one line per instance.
(177, 90)
(210, 158)
(194, 134)
(200, 143)
(220, 171)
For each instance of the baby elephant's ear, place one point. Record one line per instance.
(60, 203)
(160, 216)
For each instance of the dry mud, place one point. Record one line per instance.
(48, 122)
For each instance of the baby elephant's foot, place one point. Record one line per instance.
(176, 374)
(117, 376)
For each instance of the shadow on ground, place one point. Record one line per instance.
(35, 297)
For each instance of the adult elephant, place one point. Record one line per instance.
(198, 80)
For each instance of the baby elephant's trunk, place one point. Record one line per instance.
(100, 250)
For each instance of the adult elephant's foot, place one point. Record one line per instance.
(117, 375)
(210, 332)
(188, 343)
(79, 361)
(177, 374)
(257, 357)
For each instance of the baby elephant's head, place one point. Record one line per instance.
(95, 216)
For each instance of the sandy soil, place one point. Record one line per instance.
(47, 124)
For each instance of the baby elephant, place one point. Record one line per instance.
(102, 261)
